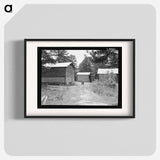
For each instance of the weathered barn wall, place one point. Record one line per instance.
(83, 78)
(55, 80)
(59, 75)
(103, 77)
(69, 74)
(55, 72)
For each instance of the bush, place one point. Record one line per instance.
(110, 80)
(108, 87)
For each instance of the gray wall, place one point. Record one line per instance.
(81, 136)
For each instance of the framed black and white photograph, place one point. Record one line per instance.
(79, 78)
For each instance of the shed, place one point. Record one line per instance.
(102, 72)
(83, 77)
(59, 73)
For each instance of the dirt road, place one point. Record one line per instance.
(72, 95)
(82, 95)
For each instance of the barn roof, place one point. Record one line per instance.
(64, 64)
(107, 70)
(83, 73)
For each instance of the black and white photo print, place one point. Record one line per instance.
(80, 77)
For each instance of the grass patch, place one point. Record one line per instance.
(102, 89)
(107, 88)
(54, 93)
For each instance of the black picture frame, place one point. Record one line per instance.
(39, 82)
(39, 50)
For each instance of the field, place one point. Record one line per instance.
(95, 93)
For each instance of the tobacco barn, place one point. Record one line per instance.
(59, 73)
(102, 72)
(84, 77)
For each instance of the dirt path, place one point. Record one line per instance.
(87, 97)
(72, 95)
(83, 95)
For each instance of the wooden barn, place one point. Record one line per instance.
(59, 73)
(102, 72)
(83, 77)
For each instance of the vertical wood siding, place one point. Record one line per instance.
(69, 74)
(55, 72)
(83, 78)
(55, 80)
(59, 75)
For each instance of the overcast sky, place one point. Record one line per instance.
(79, 54)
